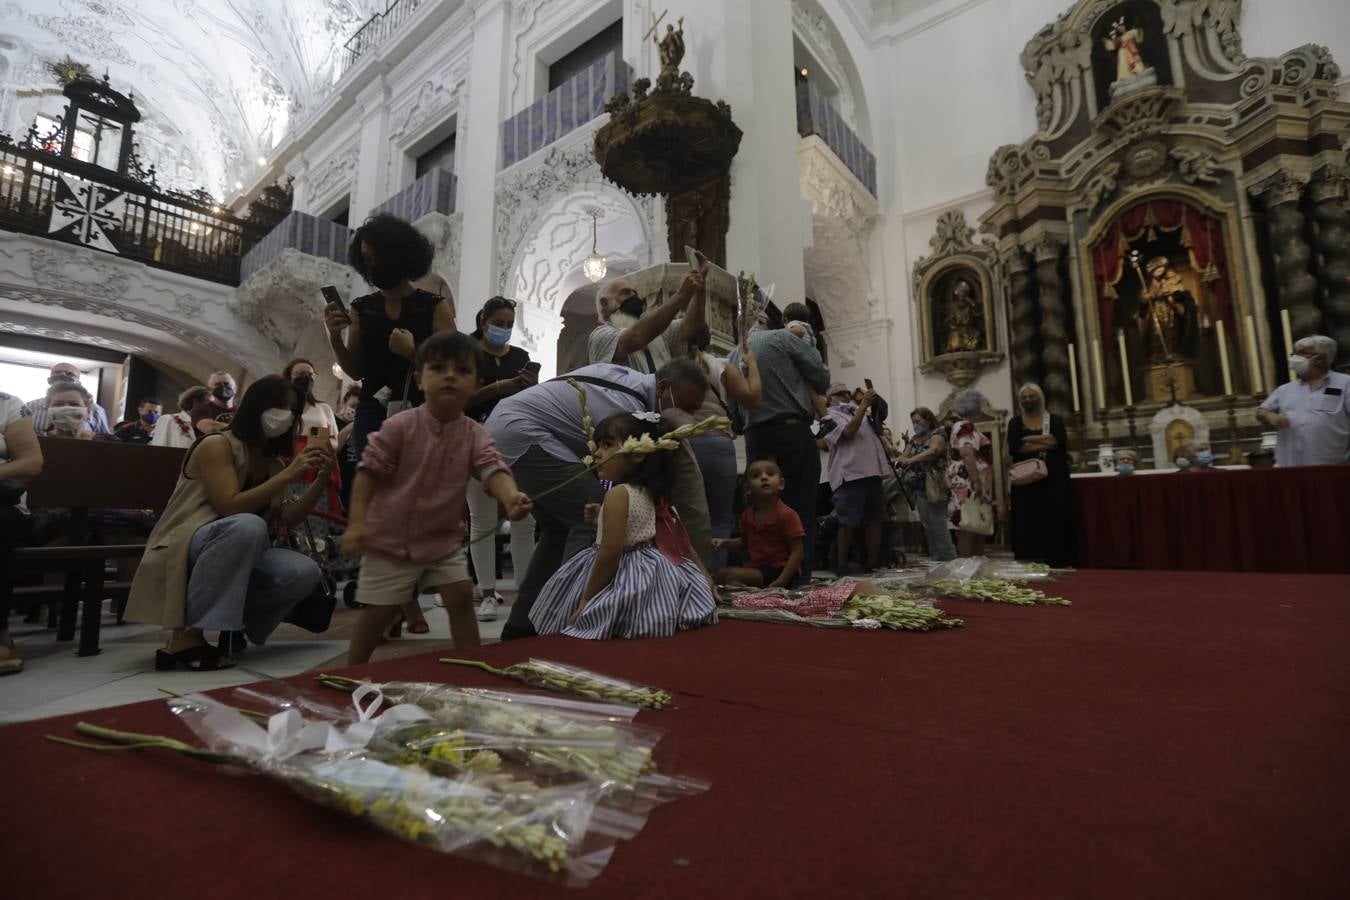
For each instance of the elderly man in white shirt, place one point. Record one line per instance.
(641, 338)
(1312, 413)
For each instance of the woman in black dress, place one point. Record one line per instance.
(384, 330)
(1042, 512)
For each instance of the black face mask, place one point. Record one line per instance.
(303, 383)
(634, 306)
(1030, 404)
(385, 276)
(223, 392)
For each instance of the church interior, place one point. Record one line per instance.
(1055, 295)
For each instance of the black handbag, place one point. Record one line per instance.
(315, 612)
(11, 492)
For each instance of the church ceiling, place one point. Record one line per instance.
(218, 81)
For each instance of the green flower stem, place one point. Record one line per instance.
(127, 740)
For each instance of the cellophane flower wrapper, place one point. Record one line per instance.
(556, 676)
(541, 738)
(446, 797)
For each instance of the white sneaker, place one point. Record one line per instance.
(488, 607)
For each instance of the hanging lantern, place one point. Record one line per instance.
(594, 266)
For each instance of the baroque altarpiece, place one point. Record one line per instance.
(1179, 204)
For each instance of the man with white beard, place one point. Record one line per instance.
(630, 334)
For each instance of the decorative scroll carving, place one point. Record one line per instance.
(1331, 239)
(953, 235)
(1054, 324)
(1025, 349)
(1100, 186)
(1297, 288)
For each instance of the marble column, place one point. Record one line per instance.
(1049, 252)
(1024, 352)
(766, 234)
(1297, 289)
(1331, 239)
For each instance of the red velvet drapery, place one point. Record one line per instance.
(1201, 235)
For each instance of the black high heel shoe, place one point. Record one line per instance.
(207, 659)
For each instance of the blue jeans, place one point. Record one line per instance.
(716, 457)
(935, 526)
(237, 581)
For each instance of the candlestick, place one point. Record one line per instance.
(1234, 451)
(1073, 377)
(1129, 413)
(1253, 358)
(1223, 358)
(1125, 367)
(1101, 382)
(1288, 338)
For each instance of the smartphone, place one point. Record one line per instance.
(533, 367)
(332, 297)
(319, 435)
(867, 382)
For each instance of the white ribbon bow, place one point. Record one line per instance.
(288, 733)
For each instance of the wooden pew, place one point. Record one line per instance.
(93, 475)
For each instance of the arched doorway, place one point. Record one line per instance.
(546, 278)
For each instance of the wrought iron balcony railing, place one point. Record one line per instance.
(374, 33)
(81, 203)
(817, 115)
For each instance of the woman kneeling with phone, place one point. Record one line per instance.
(209, 565)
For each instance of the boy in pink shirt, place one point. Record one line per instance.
(407, 506)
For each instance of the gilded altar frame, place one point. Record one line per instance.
(956, 251)
(1237, 245)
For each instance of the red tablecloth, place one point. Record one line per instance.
(1168, 735)
(1244, 520)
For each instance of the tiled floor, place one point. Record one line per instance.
(55, 681)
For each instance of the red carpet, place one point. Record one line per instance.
(1170, 735)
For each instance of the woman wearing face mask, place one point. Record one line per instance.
(209, 564)
(68, 405)
(924, 465)
(383, 329)
(502, 371)
(1042, 511)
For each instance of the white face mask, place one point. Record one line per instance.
(276, 422)
(1299, 365)
(68, 418)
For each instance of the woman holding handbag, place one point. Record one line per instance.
(1042, 494)
(971, 476)
(925, 478)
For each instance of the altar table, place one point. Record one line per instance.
(1236, 520)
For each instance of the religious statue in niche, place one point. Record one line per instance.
(1132, 72)
(1165, 302)
(1166, 315)
(961, 326)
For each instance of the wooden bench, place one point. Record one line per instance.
(83, 476)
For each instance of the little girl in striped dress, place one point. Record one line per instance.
(624, 586)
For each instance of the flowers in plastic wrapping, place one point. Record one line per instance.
(541, 785)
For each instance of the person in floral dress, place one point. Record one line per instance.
(971, 469)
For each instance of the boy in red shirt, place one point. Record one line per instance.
(771, 533)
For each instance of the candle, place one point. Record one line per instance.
(1097, 365)
(1253, 358)
(1073, 377)
(1288, 338)
(1223, 359)
(1125, 367)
